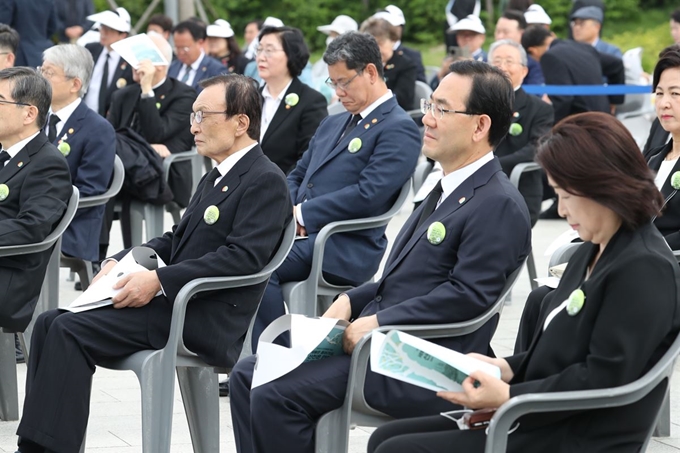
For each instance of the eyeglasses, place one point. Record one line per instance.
(500, 63)
(48, 73)
(181, 49)
(2, 101)
(266, 51)
(438, 112)
(342, 85)
(198, 116)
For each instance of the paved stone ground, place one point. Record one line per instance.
(115, 420)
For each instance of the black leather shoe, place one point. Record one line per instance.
(224, 388)
(550, 213)
(18, 352)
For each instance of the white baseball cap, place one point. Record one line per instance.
(272, 22)
(470, 23)
(397, 13)
(119, 19)
(537, 15)
(220, 29)
(341, 24)
(389, 17)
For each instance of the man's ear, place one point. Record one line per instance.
(243, 125)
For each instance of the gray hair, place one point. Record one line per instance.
(30, 88)
(356, 49)
(76, 61)
(511, 43)
(162, 44)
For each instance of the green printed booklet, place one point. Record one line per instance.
(310, 339)
(419, 362)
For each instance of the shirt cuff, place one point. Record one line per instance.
(298, 215)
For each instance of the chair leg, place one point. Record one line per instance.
(663, 425)
(153, 216)
(332, 433)
(85, 274)
(199, 388)
(158, 395)
(176, 217)
(9, 397)
(136, 223)
(531, 268)
(22, 343)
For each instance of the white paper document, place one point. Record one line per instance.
(310, 339)
(137, 48)
(550, 282)
(99, 294)
(416, 361)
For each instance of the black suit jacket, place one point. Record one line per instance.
(629, 319)
(254, 208)
(415, 56)
(400, 76)
(122, 71)
(668, 222)
(536, 118)
(293, 126)
(162, 119)
(572, 63)
(39, 186)
(657, 138)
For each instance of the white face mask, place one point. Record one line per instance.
(329, 40)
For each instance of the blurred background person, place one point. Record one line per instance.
(341, 24)
(73, 18)
(399, 71)
(395, 16)
(250, 33)
(456, 10)
(511, 25)
(536, 15)
(675, 26)
(471, 34)
(161, 24)
(223, 47)
(9, 41)
(192, 64)
(35, 21)
(585, 25)
(291, 111)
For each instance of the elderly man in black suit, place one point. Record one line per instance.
(110, 72)
(252, 199)
(35, 187)
(531, 119)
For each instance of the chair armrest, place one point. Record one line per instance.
(176, 157)
(676, 253)
(522, 168)
(116, 185)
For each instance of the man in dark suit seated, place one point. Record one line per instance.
(9, 41)
(158, 108)
(87, 141)
(354, 167)
(192, 64)
(250, 195)
(110, 71)
(450, 276)
(35, 188)
(531, 119)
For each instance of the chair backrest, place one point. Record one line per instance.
(52, 238)
(114, 187)
(581, 400)
(422, 91)
(420, 174)
(563, 254)
(336, 108)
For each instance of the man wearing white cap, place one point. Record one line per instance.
(341, 24)
(35, 21)
(395, 16)
(470, 33)
(456, 10)
(536, 15)
(110, 71)
(223, 47)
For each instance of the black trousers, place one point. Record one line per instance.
(65, 348)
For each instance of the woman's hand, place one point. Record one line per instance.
(480, 391)
(506, 371)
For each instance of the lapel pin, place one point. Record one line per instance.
(576, 300)
(355, 145)
(515, 129)
(287, 107)
(4, 192)
(515, 115)
(121, 83)
(367, 126)
(204, 68)
(292, 99)
(20, 164)
(374, 120)
(123, 66)
(70, 131)
(64, 148)
(211, 214)
(461, 200)
(225, 188)
(436, 233)
(162, 97)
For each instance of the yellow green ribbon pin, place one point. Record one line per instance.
(4, 192)
(515, 129)
(436, 233)
(64, 148)
(576, 300)
(211, 214)
(355, 145)
(292, 99)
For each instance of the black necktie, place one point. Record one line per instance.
(4, 157)
(210, 181)
(52, 131)
(187, 73)
(351, 125)
(430, 204)
(104, 87)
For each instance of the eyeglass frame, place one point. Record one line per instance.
(2, 101)
(343, 85)
(501, 63)
(40, 71)
(198, 116)
(424, 110)
(266, 51)
(183, 49)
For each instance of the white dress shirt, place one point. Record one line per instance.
(270, 106)
(192, 68)
(18, 146)
(228, 163)
(92, 96)
(454, 179)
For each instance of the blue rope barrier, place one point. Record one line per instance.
(587, 90)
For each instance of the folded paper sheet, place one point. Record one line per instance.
(137, 48)
(99, 294)
(416, 361)
(310, 339)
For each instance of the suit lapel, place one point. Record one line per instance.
(22, 159)
(282, 112)
(658, 155)
(72, 122)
